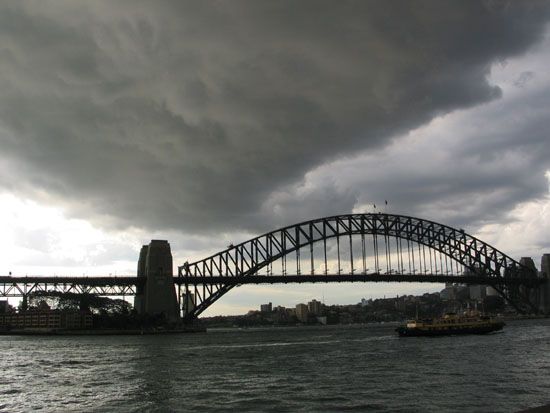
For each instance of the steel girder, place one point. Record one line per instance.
(106, 286)
(301, 279)
(247, 258)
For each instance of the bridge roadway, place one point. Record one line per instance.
(88, 281)
(101, 285)
(375, 277)
(127, 285)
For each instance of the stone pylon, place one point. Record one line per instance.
(159, 294)
(532, 294)
(545, 288)
(139, 299)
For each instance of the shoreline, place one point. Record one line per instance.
(361, 325)
(101, 332)
(205, 329)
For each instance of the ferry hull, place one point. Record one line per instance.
(451, 330)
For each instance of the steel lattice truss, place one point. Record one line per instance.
(241, 263)
(388, 241)
(105, 286)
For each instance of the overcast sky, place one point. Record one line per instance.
(210, 122)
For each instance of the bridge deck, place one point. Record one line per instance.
(105, 286)
(108, 281)
(285, 279)
(89, 281)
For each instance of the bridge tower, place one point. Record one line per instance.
(159, 294)
(545, 288)
(139, 298)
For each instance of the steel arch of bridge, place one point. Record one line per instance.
(240, 264)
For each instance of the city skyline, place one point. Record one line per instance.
(208, 126)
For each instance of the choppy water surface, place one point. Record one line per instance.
(294, 369)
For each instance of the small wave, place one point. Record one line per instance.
(329, 399)
(376, 338)
(278, 344)
(72, 362)
(96, 384)
(315, 341)
(363, 407)
(11, 391)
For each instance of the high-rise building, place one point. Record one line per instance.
(266, 308)
(315, 307)
(477, 292)
(302, 312)
(448, 293)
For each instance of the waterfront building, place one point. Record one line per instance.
(49, 319)
(266, 308)
(400, 303)
(302, 312)
(315, 307)
(477, 292)
(448, 293)
(454, 292)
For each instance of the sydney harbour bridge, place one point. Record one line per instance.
(370, 247)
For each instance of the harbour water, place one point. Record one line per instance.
(336, 368)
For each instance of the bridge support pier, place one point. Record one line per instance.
(544, 297)
(139, 299)
(544, 289)
(158, 296)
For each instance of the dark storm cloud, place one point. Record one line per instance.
(194, 115)
(472, 168)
